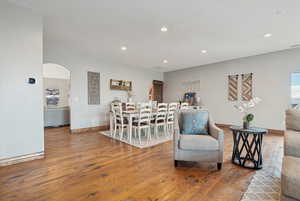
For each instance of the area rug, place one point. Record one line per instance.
(135, 141)
(264, 186)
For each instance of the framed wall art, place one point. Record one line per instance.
(121, 85)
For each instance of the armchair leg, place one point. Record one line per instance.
(219, 166)
(175, 163)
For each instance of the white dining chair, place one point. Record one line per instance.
(141, 105)
(130, 106)
(160, 118)
(113, 108)
(143, 123)
(172, 107)
(120, 122)
(113, 120)
(170, 122)
(184, 106)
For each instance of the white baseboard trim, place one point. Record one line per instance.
(20, 159)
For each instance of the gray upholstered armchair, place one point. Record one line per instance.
(198, 148)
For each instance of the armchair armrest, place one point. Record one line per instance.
(215, 131)
(176, 133)
(218, 134)
(291, 143)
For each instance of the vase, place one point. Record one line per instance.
(246, 125)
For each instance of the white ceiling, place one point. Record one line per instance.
(227, 29)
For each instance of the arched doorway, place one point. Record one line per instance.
(56, 79)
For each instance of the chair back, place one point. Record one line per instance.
(117, 111)
(130, 107)
(184, 106)
(154, 104)
(170, 117)
(162, 107)
(160, 117)
(172, 107)
(144, 115)
(116, 107)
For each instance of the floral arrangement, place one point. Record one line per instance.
(245, 107)
(129, 95)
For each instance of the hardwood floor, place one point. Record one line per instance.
(93, 167)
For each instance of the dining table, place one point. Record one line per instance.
(129, 115)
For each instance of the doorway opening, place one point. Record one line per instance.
(56, 95)
(156, 91)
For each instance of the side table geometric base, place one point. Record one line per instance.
(247, 147)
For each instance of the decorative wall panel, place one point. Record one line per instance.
(93, 88)
(247, 86)
(233, 87)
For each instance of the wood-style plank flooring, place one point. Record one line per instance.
(90, 167)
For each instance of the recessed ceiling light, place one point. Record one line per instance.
(203, 51)
(165, 61)
(123, 48)
(164, 29)
(267, 35)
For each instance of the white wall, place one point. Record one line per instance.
(271, 82)
(21, 104)
(55, 71)
(79, 63)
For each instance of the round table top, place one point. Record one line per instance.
(251, 130)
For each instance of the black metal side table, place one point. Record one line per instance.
(247, 147)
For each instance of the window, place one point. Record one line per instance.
(295, 88)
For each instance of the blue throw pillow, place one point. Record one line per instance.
(195, 123)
